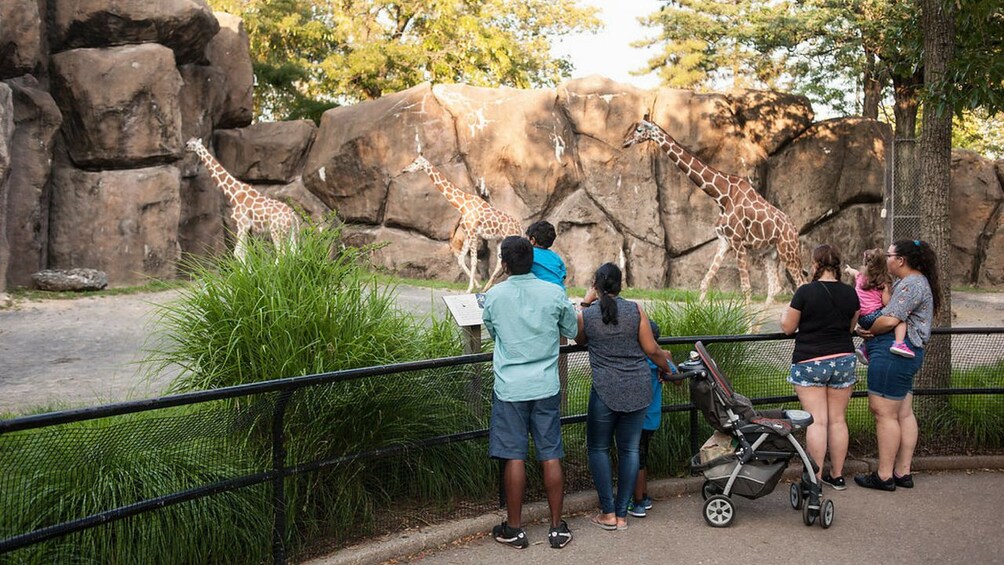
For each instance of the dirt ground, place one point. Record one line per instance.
(63, 353)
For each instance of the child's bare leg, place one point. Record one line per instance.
(900, 332)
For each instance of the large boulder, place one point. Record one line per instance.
(267, 152)
(20, 37)
(517, 145)
(184, 26)
(120, 105)
(124, 223)
(976, 201)
(407, 253)
(230, 51)
(834, 164)
(360, 149)
(36, 120)
(73, 280)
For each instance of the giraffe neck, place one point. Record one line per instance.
(453, 195)
(696, 170)
(220, 176)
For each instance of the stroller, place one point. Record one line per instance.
(757, 448)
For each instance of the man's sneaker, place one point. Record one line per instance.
(862, 354)
(902, 349)
(559, 535)
(836, 482)
(515, 537)
(906, 481)
(637, 509)
(872, 480)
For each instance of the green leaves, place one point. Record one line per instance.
(344, 52)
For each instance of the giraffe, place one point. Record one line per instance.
(478, 220)
(253, 211)
(746, 221)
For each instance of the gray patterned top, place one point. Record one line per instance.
(621, 375)
(913, 302)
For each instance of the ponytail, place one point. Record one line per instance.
(607, 283)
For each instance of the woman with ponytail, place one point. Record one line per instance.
(619, 338)
(916, 298)
(822, 314)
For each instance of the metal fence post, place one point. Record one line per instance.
(279, 481)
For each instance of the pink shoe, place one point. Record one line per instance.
(862, 353)
(902, 349)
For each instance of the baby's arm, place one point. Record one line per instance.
(851, 271)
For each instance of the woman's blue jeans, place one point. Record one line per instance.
(603, 425)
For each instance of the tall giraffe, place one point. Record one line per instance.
(478, 220)
(746, 221)
(253, 212)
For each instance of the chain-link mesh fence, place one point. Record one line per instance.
(254, 474)
(902, 198)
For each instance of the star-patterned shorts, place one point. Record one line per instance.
(835, 372)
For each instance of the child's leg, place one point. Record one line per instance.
(900, 332)
(900, 345)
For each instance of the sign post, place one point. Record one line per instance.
(466, 310)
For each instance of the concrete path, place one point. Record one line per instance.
(950, 517)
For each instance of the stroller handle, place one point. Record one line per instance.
(686, 374)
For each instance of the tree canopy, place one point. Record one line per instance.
(823, 48)
(310, 55)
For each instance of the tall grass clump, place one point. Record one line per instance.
(714, 316)
(979, 418)
(53, 475)
(317, 309)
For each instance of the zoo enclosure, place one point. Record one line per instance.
(40, 455)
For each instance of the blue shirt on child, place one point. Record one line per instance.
(548, 266)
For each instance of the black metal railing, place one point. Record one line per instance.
(270, 439)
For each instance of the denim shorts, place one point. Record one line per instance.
(513, 422)
(889, 375)
(835, 372)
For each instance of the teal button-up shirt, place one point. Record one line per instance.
(525, 316)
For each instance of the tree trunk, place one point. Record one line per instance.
(905, 90)
(872, 84)
(938, 18)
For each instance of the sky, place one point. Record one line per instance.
(609, 52)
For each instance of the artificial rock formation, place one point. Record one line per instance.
(97, 98)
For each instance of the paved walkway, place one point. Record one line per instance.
(950, 517)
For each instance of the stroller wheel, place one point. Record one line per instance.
(795, 496)
(826, 514)
(709, 489)
(809, 516)
(718, 511)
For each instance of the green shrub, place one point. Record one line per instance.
(316, 310)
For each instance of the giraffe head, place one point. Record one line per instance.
(420, 163)
(194, 145)
(642, 130)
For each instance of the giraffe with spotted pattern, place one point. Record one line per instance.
(746, 221)
(478, 220)
(252, 211)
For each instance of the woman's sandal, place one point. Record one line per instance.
(609, 527)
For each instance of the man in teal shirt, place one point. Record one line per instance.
(526, 317)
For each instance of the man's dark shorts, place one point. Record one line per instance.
(513, 422)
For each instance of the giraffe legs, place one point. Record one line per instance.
(472, 250)
(240, 248)
(772, 280)
(742, 261)
(716, 263)
(498, 267)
